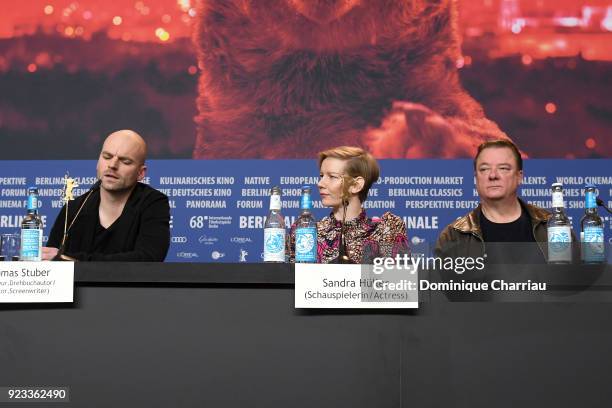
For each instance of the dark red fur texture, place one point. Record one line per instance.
(289, 78)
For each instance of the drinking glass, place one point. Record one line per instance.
(9, 246)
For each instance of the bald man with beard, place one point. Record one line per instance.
(120, 218)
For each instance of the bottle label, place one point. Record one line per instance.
(32, 202)
(275, 202)
(274, 245)
(559, 234)
(559, 244)
(590, 200)
(31, 245)
(557, 199)
(593, 244)
(306, 202)
(306, 244)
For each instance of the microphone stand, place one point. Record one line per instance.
(343, 257)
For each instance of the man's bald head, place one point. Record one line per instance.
(131, 141)
(121, 162)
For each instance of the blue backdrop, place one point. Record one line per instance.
(218, 206)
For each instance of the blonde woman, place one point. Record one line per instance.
(347, 234)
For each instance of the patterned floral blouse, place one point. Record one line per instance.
(385, 236)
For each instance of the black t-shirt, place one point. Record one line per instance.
(100, 235)
(499, 236)
(519, 230)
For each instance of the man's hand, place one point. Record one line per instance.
(48, 253)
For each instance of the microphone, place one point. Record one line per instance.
(600, 203)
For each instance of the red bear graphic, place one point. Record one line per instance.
(289, 78)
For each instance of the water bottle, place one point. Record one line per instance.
(559, 229)
(306, 231)
(274, 230)
(31, 230)
(591, 230)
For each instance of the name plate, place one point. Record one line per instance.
(327, 286)
(36, 282)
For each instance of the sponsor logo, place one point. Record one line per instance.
(217, 255)
(243, 255)
(205, 240)
(187, 255)
(241, 240)
(417, 240)
(178, 240)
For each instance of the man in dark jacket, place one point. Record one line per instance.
(119, 219)
(501, 216)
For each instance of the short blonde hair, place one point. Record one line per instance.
(359, 163)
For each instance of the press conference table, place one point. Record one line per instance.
(227, 335)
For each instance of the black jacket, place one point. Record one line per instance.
(141, 233)
(464, 236)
